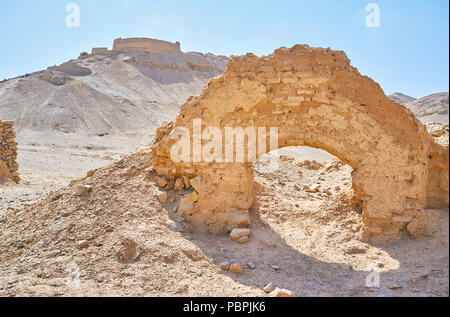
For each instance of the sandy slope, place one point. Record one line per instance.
(138, 247)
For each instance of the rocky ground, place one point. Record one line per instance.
(119, 240)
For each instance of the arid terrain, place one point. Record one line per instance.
(77, 125)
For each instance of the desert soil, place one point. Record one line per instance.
(119, 240)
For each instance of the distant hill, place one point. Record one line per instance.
(401, 98)
(432, 108)
(113, 93)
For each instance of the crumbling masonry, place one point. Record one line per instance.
(317, 99)
(8, 148)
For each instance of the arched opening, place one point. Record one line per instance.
(305, 195)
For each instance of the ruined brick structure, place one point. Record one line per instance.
(146, 45)
(137, 44)
(317, 99)
(8, 148)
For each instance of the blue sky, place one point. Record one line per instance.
(409, 52)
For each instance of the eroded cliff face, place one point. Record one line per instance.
(315, 98)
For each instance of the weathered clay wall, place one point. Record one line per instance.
(145, 44)
(315, 98)
(99, 51)
(8, 148)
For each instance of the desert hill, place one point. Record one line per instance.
(432, 108)
(114, 94)
(401, 98)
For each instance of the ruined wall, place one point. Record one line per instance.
(145, 44)
(99, 51)
(8, 148)
(315, 98)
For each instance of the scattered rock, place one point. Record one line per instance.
(83, 189)
(251, 265)
(225, 265)
(240, 235)
(83, 243)
(161, 181)
(236, 268)
(162, 197)
(269, 288)
(278, 292)
(100, 279)
(275, 267)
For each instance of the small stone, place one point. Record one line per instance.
(225, 265)
(179, 184)
(100, 279)
(239, 233)
(90, 173)
(236, 268)
(269, 288)
(278, 292)
(180, 219)
(83, 243)
(241, 240)
(379, 264)
(162, 197)
(251, 265)
(161, 181)
(275, 267)
(83, 189)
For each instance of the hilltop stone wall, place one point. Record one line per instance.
(8, 148)
(145, 44)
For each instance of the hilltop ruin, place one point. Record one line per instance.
(137, 44)
(315, 98)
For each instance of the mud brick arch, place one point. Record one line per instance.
(315, 98)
